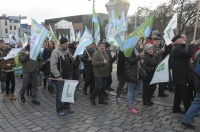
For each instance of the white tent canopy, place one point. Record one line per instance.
(63, 24)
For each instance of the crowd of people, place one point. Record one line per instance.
(56, 63)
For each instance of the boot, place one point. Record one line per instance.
(13, 96)
(7, 97)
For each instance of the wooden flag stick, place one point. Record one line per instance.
(197, 20)
(87, 52)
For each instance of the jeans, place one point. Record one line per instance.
(30, 78)
(120, 86)
(59, 89)
(133, 90)
(101, 83)
(193, 110)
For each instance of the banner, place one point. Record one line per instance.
(86, 40)
(38, 35)
(68, 91)
(168, 32)
(162, 72)
(12, 53)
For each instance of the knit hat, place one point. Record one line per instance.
(107, 44)
(156, 38)
(101, 43)
(63, 40)
(147, 46)
(176, 37)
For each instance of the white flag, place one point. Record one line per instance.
(38, 35)
(168, 32)
(162, 72)
(86, 40)
(72, 34)
(68, 91)
(12, 53)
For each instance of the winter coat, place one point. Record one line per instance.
(46, 59)
(149, 65)
(180, 59)
(131, 68)
(100, 69)
(85, 59)
(29, 65)
(120, 64)
(59, 64)
(111, 60)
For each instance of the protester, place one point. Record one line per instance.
(111, 61)
(132, 78)
(195, 107)
(86, 58)
(180, 55)
(120, 75)
(60, 70)
(2, 48)
(158, 56)
(30, 73)
(101, 68)
(8, 68)
(46, 65)
(149, 65)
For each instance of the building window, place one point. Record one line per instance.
(15, 28)
(6, 23)
(6, 30)
(10, 27)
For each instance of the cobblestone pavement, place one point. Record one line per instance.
(26, 117)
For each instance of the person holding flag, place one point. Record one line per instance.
(101, 68)
(59, 66)
(30, 73)
(86, 58)
(149, 65)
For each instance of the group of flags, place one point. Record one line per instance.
(116, 35)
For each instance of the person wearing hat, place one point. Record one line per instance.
(101, 68)
(149, 65)
(30, 70)
(180, 60)
(59, 67)
(158, 55)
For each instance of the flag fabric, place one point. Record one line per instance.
(67, 36)
(86, 40)
(96, 26)
(168, 32)
(12, 53)
(68, 91)
(24, 40)
(52, 36)
(38, 35)
(59, 36)
(162, 72)
(143, 30)
(78, 36)
(110, 33)
(18, 67)
(122, 26)
(72, 34)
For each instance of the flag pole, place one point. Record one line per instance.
(197, 20)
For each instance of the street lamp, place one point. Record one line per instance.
(93, 1)
(93, 5)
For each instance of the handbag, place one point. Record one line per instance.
(142, 73)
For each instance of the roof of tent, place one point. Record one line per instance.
(63, 24)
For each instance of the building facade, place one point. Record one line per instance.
(8, 26)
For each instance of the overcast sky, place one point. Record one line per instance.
(46, 9)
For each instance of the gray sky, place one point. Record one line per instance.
(46, 9)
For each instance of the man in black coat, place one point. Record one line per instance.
(86, 58)
(180, 59)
